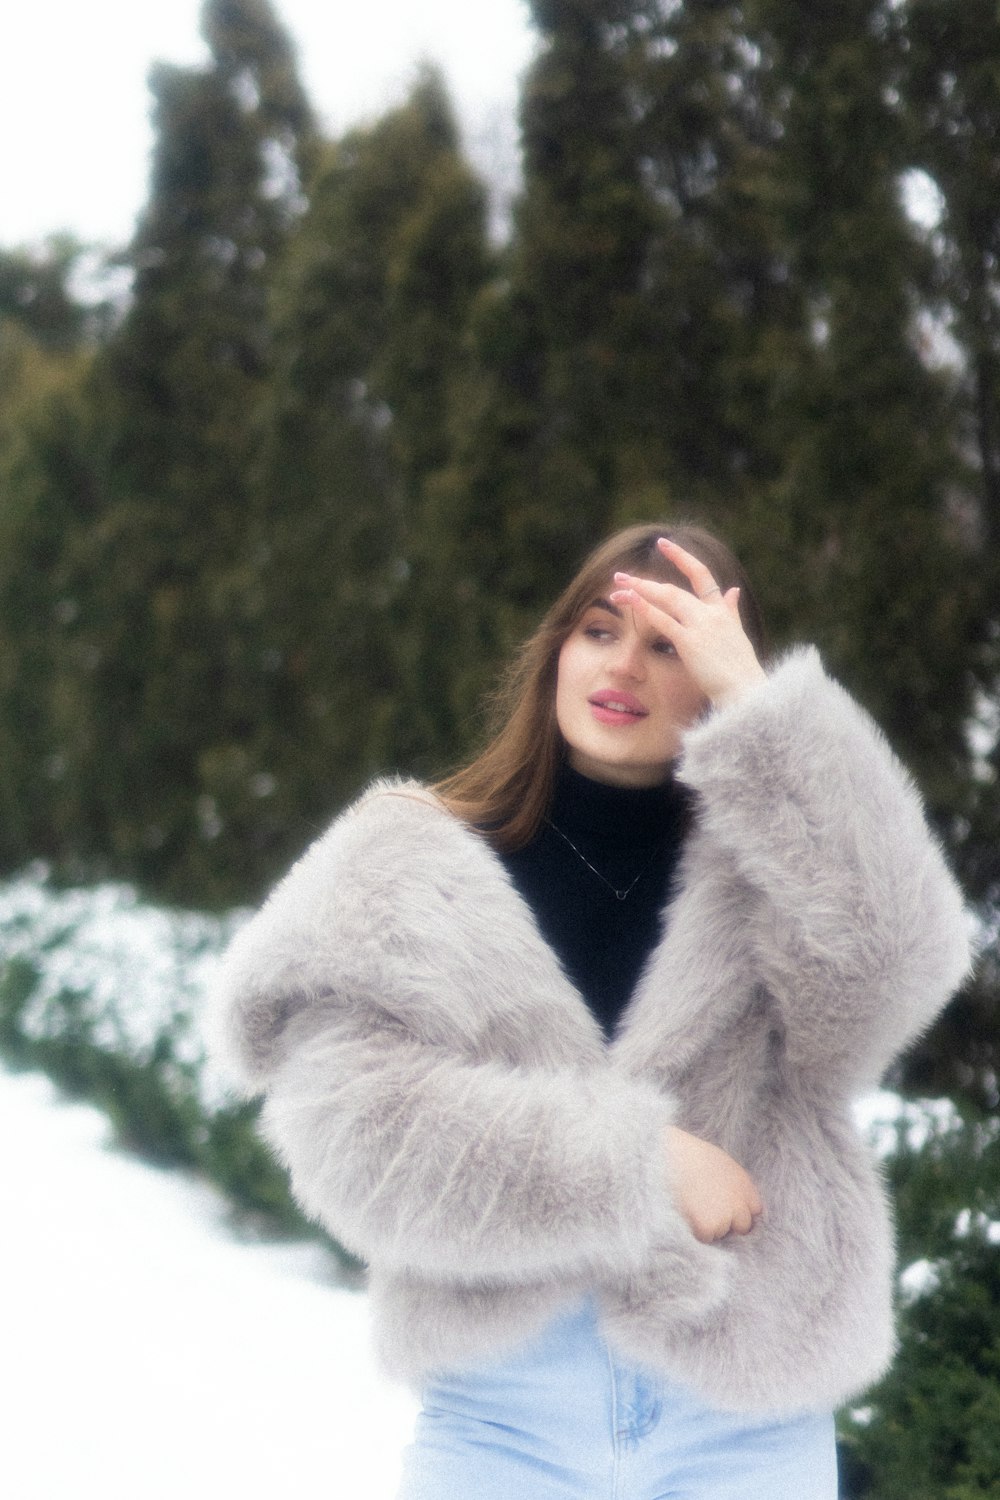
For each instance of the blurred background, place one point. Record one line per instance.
(324, 358)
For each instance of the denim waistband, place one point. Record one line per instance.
(564, 1417)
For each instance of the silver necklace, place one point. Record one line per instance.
(603, 878)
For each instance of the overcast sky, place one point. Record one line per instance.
(74, 127)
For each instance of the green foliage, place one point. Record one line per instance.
(182, 384)
(930, 1430)
(44, 505)
(369, 328)
(949, 84)
(136, 627)
(882, 575)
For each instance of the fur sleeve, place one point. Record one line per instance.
(419, 1161)
(862, 936)
(433, 1084)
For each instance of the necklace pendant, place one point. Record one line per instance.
(619, 895)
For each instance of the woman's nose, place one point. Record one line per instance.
(628, 661)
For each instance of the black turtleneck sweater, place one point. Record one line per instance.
(628, 835)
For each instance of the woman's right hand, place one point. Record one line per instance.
(715, 1195)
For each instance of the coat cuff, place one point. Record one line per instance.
(739, 737)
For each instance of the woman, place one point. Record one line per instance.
(565, 1048)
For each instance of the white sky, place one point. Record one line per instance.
(74, 127)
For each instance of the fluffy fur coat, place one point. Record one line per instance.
(447, 1105)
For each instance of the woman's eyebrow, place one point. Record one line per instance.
(612, 609)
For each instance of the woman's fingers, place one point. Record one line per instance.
(714, 1193)
(742, 1220)
(695, 571)
(670, 598)
(707, 633)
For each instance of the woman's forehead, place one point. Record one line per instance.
(605, 604)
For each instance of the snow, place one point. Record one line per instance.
(139, 971)
(918, 1279)
(149, 1355)
(884, 1118)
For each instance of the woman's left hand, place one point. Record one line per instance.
(704, 627)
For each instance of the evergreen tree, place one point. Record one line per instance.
(47, 345)
(41, 442)
(882, 565)
(163, 575)
(950, 87)
(535, 471)
(951, 90)
(371, 319)
(929, 1430)
(630, 359)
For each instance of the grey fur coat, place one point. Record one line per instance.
(448, 1107)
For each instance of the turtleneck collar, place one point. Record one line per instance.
(597, 841)
(617, 814)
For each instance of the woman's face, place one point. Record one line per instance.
(623, 698)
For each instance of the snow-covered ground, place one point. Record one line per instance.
(146, 1355)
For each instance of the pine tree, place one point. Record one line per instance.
(951, 91)
(41, 443)
(537, 454)
(164, 576)
(629, 360)
(371, 318)
(868, 481)
(47, 347)
(929, 1429)
(719, 330)
(950, 87)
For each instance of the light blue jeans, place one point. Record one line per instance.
(563, 1418)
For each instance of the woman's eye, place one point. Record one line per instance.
(665, 647)
(597, 632)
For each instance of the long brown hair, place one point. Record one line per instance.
(508, 787)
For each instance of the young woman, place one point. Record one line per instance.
(565, 1048)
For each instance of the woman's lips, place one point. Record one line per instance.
(610, 707)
